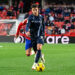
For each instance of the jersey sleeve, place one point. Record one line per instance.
(25, 21)
(19, 27)
(28, 24)
(43, 27)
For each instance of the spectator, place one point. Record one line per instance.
(10, 13)
(63, 31)
(1, 8)
(56, 30)
(47, 23)
(73, 25)
(21, 5)
(68, 25)
(51, 18)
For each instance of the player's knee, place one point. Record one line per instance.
(39, 48)
(27, 54)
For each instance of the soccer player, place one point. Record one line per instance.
(28, 45)
(35, 28)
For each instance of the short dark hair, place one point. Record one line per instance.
(35, 6)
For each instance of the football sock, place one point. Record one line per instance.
(38, 55)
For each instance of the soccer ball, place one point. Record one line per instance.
(40, 67)
(17, 40)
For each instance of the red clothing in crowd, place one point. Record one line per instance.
(21, 4)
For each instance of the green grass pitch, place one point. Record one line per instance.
(60, 60)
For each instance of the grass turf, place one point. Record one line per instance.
(60, 60)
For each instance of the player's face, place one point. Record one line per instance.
(35, 11)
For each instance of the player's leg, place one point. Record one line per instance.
(34, 44)
(37, 57)
(28, 47)
(39, 46)
(28, 52)
(38, 53)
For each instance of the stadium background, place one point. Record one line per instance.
(59, 18)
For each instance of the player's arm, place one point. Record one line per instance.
(43, 27)
(27, 27)
(25, 21)
(19, 27)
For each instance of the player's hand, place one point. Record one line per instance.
(16, 36)
(28, 33)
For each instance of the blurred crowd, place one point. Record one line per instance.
(9, 12)
(12, 11)
(59, 20)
